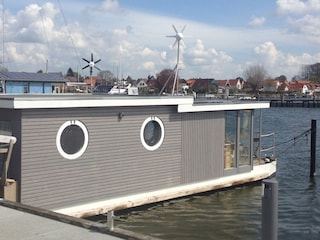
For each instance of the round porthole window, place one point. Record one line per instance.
(152, 133)
(72, 139)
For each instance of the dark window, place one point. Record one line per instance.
(152, 133)
(72, 139)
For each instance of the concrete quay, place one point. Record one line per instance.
(18, 221)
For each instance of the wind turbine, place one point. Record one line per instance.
(91, 64)
(178, 36)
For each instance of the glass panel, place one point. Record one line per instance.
(245, 136)
(72, 139)
(230, 140)
(152, 133)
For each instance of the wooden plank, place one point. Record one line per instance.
(96, 208)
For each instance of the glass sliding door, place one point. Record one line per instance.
(238, 141)
(245, 137)
(230, 139)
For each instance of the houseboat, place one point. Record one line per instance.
(85, 155)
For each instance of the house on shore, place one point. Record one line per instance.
(236, 84)
(207, 85)
(31, 83)
(201, 85)
(301, 87)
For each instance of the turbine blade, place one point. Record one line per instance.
(90, 71)
(174, 28)
(175, 43)
(97, 68)
(183, 28)
(85, 60)
(172, 36)
(91, 57)
(175, 67)
(97, 61)
(85, 67)
(182, 43)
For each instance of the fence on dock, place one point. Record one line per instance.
(297, 102)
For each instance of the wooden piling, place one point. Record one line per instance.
(313, 147)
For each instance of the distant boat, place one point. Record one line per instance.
(123, 90)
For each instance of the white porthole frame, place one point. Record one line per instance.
(85, 144)
(159, 143)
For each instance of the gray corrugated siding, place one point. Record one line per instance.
(202, 148)
(114, 164)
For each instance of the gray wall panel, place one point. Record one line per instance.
(114, 164)
(202, 148)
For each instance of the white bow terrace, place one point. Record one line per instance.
(84, 155)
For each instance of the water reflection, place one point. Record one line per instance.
(219, 215)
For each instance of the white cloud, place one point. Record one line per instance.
(147, 52)
(278, 63)
(200, 54)
(269, 53)
(308, 26)
(225, 57)
(257, 21)
(34, 23)
(138, 41)
(297, 6)
(163, 55)
(149, 66)
(291, 6)
(110, 6)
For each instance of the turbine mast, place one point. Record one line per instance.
(178, 36)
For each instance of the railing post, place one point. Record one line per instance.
(313, 147)
(110, 217)
(270, 209)
(260, 132)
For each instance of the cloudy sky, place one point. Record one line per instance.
(221, 38)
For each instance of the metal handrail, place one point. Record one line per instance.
(261, 149)
(267, 135)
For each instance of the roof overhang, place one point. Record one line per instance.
(82, 101)
(223, 106)
(184, 104)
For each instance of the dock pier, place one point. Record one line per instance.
(20, 221)
(296, 102)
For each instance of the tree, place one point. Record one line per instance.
(255, 76)
(106, 76)
(311, 72)
(70, 72)
(281, 78)
(165, 79)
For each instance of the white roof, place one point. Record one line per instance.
(184, 104)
